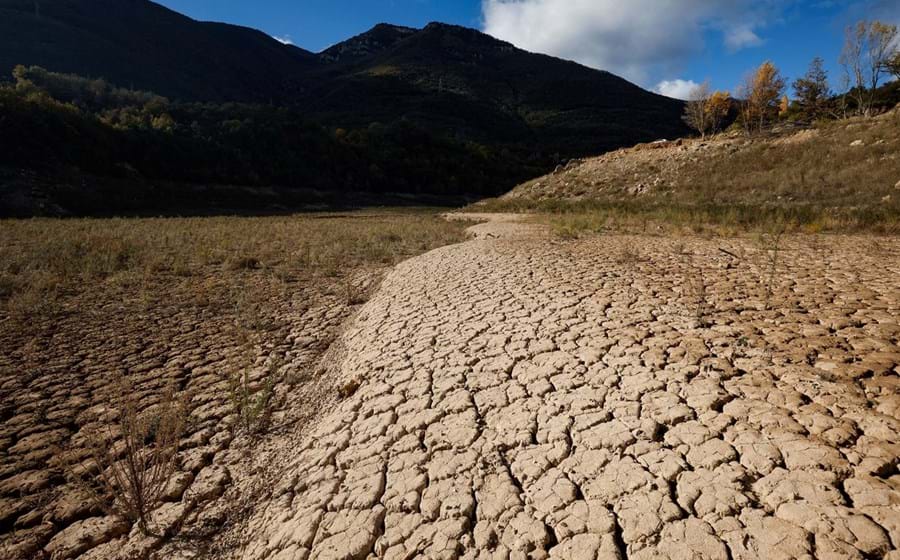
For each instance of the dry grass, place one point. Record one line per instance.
(46, 263)
(812, 182)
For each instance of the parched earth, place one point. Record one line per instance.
(57, 381)
(513, 396)
(614, 397)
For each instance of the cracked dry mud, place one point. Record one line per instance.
(616, 397)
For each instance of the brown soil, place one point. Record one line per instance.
(612, 397)
(522, 396)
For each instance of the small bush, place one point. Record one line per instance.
(250, 404)
(134, 471)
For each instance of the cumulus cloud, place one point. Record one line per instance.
(678, 89)
(285, 40)
(635, 39)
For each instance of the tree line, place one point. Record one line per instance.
(63, 123)
(869, 55)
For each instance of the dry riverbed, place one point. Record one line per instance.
(612, 397)
(517, 395)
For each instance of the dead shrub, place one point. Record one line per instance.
(134, 457)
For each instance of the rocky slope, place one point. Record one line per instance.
(841, 164)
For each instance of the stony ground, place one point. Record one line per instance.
(776, 173)
(616, 397)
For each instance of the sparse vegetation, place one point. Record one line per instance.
(706, 112)
(869, 48)
(770, 243)
(135, 457)
(251, 397)
(45, 262)
(108, 326)
(812, 91)
(731, 184)
(760, 95)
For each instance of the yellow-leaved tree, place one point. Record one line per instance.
(705, 112)
(761, 95)
(718, 106)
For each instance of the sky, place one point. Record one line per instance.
(664, 45)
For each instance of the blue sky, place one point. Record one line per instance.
(659, 44)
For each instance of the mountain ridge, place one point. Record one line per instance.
(458, 81)
(443, 109)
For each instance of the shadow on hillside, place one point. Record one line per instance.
(28, 194)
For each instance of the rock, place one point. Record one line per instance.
(856, 143)
(209, 485)
(84, 535)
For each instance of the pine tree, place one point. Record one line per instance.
(812, 90)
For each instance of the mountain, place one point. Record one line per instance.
(378, 39)
(140, 44)
(456, 81)
(471, 84)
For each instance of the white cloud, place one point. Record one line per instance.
(285, 40)
(741, 37)
(677, 89)
(635, 38)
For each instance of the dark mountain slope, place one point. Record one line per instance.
(469, 83)
(458, 81)
(442, 110)
(144, 45)
(378, 39)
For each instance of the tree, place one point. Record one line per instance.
(761, 93)
(695, 113)
(893, 65)
(705, 112)
(812, 90)
(868, 49)
(717, 108)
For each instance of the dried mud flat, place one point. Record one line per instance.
(57, 385)
(525, 397)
